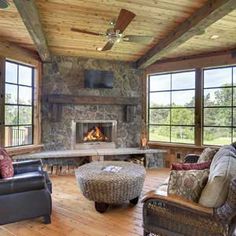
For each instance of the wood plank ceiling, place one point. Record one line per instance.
(156, 18)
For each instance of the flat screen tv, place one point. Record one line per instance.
(98, 79)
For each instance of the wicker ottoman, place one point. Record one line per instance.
(106, 188)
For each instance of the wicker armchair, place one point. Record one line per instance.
(174, 216)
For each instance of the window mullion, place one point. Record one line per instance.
(2, 100)
(198, 106)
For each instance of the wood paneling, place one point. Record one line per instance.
(224, 28)
(13, 51)
(74, 215)
(196, 24)
(153, 18)
(185, 63)
(12, 28)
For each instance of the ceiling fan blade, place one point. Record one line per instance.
(85, 32)
(108, 46)
(124, 18)
(137, 39)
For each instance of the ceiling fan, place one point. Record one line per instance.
(115, 32)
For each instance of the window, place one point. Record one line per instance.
(219, 104)
(19, 94)
(171, 108)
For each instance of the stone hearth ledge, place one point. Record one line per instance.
(150, 154)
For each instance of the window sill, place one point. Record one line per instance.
(24, 149)
(174, 145)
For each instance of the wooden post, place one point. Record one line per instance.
(37, 104)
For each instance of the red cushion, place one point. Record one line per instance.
(191, 166)
(6, 167)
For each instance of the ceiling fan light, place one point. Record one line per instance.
(99, 49)
(4, 4)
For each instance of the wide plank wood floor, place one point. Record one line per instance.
(74, 215)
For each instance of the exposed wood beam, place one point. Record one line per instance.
(30, 16)
(12, 51)
(212, 11)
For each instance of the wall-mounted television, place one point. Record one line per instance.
(98, 79)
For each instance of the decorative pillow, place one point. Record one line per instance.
(188, 183)
(191, 166)
(207, 154)
(6, 167)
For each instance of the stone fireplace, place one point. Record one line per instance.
(88, 134)
(65, 76)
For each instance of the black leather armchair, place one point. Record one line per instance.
(27, 194)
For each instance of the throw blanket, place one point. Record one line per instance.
(227, 151)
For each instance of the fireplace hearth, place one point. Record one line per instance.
(88, 134)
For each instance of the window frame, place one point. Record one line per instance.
(17, 104)
(231, 107)
(170, 108)
(199, 105)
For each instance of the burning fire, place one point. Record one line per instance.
(95, 134)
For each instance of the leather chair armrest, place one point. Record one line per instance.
(27, 166)
(177, 201)
(191, 158)
(22, 183)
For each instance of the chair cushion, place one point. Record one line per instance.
(222, 170)
(6, 167)
(207, 155)
(188, 183)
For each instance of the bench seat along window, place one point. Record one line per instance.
(19, 94)
(171, 108)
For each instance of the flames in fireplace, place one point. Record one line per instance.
(95, 134)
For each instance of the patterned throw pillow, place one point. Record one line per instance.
(6, 167)
(191, 166)
(207, 154)
(188, 183)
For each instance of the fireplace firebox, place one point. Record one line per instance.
(88, 134)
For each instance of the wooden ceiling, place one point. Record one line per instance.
(156, 18)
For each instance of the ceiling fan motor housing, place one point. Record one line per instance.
(4, 4)
(113, 36)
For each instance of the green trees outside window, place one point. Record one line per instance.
(18, 104)
(219, 106)
(171, 106)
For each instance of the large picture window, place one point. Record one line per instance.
(19, 94)
(171, 107)
(219, 123)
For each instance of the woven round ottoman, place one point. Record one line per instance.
(105, 187)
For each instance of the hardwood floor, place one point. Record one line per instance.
(74, 215)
